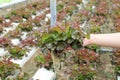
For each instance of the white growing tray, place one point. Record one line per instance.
(24, 59)
(2, 51)
(118, 77)
(44, 74)
(11, 3)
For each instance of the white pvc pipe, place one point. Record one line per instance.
(11, 3)
(53, 12)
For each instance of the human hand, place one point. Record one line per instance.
(86, 42)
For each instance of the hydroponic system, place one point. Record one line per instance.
(43, 39)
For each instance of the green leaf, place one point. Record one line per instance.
(76, 44)
(54, 34)
(44, 37)
(60, 6)
(23, 52)
(69, 31)
(47, 38)
(81, 77)
(117, 69)
(62, 37)
(41, 59)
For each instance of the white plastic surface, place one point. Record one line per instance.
(118, 77)
(2, 51)
(85, 1)
(33, 16)
(24, 36)
(48, 16)
(44, 74)
(10, 3)
(15, 41)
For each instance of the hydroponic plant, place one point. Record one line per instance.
(11, 71)
(17, 52)
(25, 26)
(4, 41)
(62, 42)
(14, 33)
(7, 69)
(44, 61)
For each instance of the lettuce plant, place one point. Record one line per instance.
(67, 53)
(14, 33)
(5, 41)
(7, 68)
(16, 51)
(57, 39)
(25, 26)
(11, 71)
(30, 41)
(44, 60)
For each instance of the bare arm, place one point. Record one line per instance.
(109, 40)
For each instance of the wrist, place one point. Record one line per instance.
(95, 38)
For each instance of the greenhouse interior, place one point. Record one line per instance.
(59, 40)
